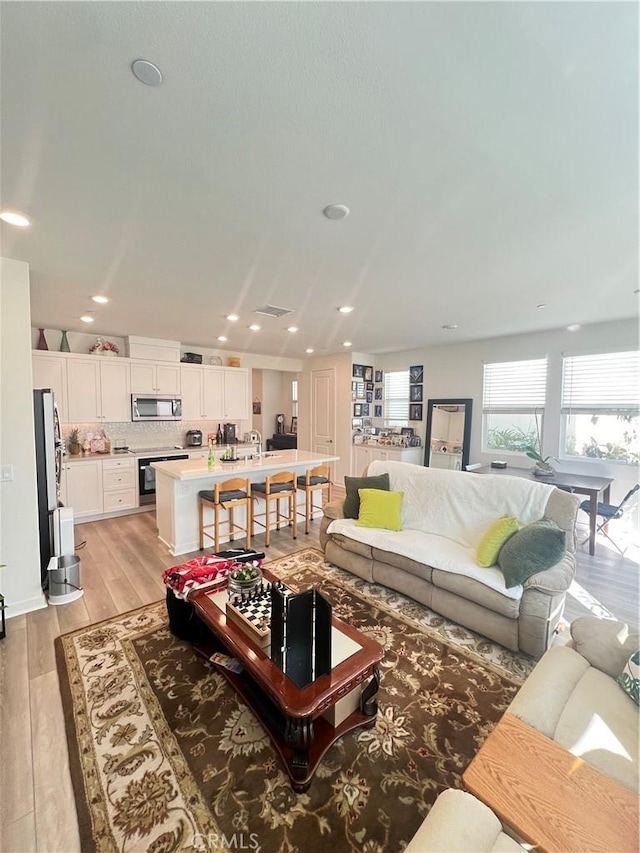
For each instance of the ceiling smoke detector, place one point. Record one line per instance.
(146, 72)
(336, 211)
(273, 311)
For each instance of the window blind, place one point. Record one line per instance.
(396, 396)
(514, 385)
(605, 382)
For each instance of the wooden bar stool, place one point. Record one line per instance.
(226, 496)
(275, 488)
(315, 480)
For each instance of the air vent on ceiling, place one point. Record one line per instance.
(273, 311)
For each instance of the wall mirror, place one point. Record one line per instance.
(448, 433)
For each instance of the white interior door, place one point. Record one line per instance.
(323, 411)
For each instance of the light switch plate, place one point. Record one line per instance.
(6, 473)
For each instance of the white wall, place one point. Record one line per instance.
(20, 580)
(456, 370)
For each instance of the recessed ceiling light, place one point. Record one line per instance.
(147, 72)
(292, 329)
(309, 350)
(254, 327)
(87, 318)
(222, 338)
(346, 343)
(573, 327)
(336, 211)
(12, 217)
(345, 309)
(232, 318)
(542, 305)
(450, 326)
(101, 300)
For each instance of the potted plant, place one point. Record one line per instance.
(542, 468)
(73, 443)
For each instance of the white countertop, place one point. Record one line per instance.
(194, 469)
(149, 454)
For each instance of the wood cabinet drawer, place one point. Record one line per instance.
(126, 462)
(118, 479)
(119, 499)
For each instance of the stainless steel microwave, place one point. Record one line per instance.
(145, 407)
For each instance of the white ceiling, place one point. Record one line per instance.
(488, 153)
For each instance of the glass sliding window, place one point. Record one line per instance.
(513, 398)
(601, 407)
(396, 398)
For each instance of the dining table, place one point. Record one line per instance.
(596, 488)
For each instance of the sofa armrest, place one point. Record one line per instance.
(334, 509)
(555, 580)
(605, 643)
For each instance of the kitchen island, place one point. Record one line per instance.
(178, 484)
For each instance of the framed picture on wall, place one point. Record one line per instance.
(365, 410)
(359, 390)
(379, 375)
(358, 371)
(357, 410)
(368, 374)
(415, 393)
(416, 374)
(377, 411)
(369, 386)
(294, 425)
(415, 411)
(378, 394)
(369, 396)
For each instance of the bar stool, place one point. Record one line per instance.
(227, 496)
(276, 487)
(315, 480)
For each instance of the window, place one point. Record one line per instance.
(513, 399)
(396, 398)
(601, 406)
(294, 398)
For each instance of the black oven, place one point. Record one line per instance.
(147, 476)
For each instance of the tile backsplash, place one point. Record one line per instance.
(148, 435)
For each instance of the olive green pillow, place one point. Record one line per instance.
(534, 548)
(493, 540)
(380, 508)
(352, 484)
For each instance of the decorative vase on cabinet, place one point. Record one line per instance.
(42, 341)
(64, 343)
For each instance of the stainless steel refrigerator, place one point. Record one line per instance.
(48, 442)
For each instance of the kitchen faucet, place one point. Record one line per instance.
(258, 435)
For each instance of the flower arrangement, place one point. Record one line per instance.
(101, 346)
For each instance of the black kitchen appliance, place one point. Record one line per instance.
(194, 438)
(147, 475)
(230, 434)
(48, 443)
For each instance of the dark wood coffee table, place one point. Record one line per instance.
(301, 722)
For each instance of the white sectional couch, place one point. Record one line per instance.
(444, 515)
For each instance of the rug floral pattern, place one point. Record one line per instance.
(165, 757)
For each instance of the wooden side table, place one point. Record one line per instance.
(549, 797)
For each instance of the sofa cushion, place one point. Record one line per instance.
(629, 679)
(605, 643)
(379, 508)
(480, 593)
(353, 484)
(398, 561)
(538, 546)
(493, 540)
(350, 544)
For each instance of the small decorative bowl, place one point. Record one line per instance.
(243, 580)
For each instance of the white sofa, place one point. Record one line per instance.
(571, 697)
(432, 559)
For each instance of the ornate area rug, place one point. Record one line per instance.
(165, 757)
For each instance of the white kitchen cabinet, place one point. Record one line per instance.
(50, 371)
(155, 378)
(98, 390)
(83, 487)
(119, 484)
(83, 384)
(214, 393)
(363, 455)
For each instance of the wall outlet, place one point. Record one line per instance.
(6, 473)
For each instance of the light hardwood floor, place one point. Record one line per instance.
(121, 566)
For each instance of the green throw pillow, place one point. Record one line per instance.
(493, 540)
(630, 678)
(380, 508)
(534, 548)
(352, 484)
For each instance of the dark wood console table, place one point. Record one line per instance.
(283, 441)
(299, 721)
